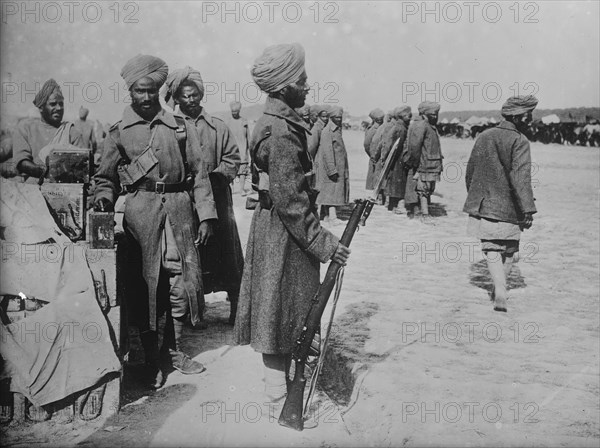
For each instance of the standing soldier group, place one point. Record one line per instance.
(330, 159)
(176, 171)
(416, 164)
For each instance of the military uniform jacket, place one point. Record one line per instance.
(286, 243)
(423, 147)
(146, 212)
(499, 175)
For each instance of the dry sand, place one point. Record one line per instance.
(418, 356)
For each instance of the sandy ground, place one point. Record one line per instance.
(418, 355)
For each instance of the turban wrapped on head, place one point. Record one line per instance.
(376, 114)
(518, 105)
(429, 107)
(400, 110)
(235, 106)
(318, 108)
(336, 111)
(46, 92)
(278, 67)
(142, 66)
(303, 110)
(176, 78)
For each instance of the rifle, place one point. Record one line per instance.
(292, 414)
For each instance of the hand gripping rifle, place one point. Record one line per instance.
(292, 414)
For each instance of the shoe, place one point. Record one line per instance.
(500, 304)
(398, 211)
(428, 220)
(184, 364)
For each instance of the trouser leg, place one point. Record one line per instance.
(275, 375)
(495, 262)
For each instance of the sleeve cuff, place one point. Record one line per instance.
(206, 210)
(324, 245)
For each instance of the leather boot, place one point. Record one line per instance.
(156, 377)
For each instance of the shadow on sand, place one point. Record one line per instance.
(136, 425)
(479, 276)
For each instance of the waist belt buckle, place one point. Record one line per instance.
(160, 187)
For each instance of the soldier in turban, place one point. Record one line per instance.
(238, 126)
(423, 160)
(286, 242)
(221, 255)
(500, 199)
(333, 177)
(377, 116)
(32, 135)
(144, 157)
(304, 112)
(396, 131)
(86, 129)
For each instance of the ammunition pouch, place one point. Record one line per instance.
(130, 173)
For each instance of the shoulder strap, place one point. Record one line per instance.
(115, 133)
(181, 136)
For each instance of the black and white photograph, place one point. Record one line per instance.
(299, 223)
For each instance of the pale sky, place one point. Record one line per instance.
(466, 55)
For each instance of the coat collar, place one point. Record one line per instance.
(508, 125)
(277, 108)
(130, 118)
(203, 116)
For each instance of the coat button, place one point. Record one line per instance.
(163, 200)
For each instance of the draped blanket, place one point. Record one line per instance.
(65, 346)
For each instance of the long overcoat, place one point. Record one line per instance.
(376, 150)
(314, 142)
(369, 134)
(286, 242)
(222, 258)
(333, 159)
(396, 181)
(146, 211)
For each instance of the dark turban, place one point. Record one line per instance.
(46, 92)
(518, 105)
(336, 111)
(376, 114)
(176, 78)
(142, 66)
(278, 67)
(235, 106)
(400, 110)
(429, 107)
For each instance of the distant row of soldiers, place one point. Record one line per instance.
(417, 163)
(330, 158)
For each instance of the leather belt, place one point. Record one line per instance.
(157, 187)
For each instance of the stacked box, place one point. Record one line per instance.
(70, 166)
(67, 204)
(101, 230)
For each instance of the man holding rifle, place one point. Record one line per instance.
(286, 242)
